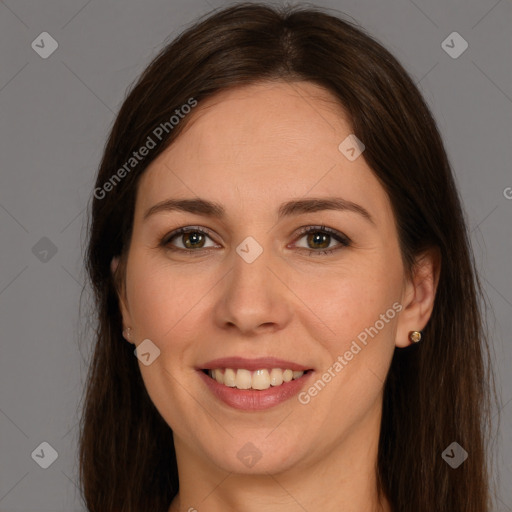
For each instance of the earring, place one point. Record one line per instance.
(127, 334)
(415, 336)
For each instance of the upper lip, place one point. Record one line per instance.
(252, 364)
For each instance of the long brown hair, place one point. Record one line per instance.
(437, 391)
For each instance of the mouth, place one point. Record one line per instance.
(254, 384)
(241, 378)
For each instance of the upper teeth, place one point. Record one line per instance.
(259, 379)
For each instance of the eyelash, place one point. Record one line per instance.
(342, 239)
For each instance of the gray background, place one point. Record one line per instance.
(55, 115)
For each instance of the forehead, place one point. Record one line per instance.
(261, 144)
(278, 117)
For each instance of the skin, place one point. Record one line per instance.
(251, 149)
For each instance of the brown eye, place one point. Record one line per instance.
(193, 239)
(188, 238)
(319, 239)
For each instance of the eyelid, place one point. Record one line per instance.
(333, 232)
(185, 229)
(342, 239)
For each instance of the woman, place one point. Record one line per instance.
(276, 235)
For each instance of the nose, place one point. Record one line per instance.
(254, 297)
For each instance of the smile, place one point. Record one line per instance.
(254, 384)
(259, 379)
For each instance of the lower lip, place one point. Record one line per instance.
(253, 399)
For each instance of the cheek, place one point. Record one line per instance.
(165, 298)
(350, 301)
(162, 297)
(361, 314)
(360, 309)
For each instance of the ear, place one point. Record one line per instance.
(418, 296)
(114, 264)
(120, 288)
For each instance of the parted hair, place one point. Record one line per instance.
(437, 391)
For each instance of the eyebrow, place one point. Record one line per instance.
(295, 207)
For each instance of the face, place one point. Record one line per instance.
(251, 294)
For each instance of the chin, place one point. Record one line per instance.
(255, 455)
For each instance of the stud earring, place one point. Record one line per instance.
(127, 334)
(415, 336)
